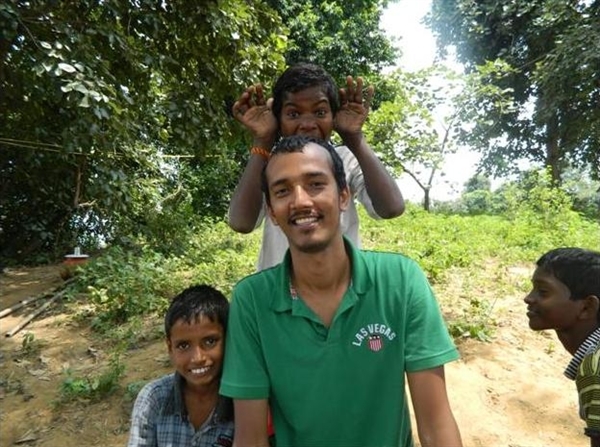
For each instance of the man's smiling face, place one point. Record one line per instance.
(304, 198)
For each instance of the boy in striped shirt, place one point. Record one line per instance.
(566, 297)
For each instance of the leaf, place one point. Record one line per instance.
(67, 67)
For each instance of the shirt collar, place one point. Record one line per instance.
(361, 278)
(175, 403)
(590, 344)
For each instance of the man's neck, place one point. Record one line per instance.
(321, 279)
(322, 270)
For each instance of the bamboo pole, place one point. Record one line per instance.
(34, 314)
(23, 303)
(27, 301)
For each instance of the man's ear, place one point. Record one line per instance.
(589, 311)
(345, 198)
(169, 345)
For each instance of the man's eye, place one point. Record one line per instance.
(281, 192)
(292, 114)
(321, 113)
(317, 185)
(183, 346)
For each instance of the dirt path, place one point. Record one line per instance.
(510, 392)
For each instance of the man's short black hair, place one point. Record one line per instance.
(297, 143)
(195, 302)
(299, 77)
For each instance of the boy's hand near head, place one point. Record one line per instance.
(254, 112)
(354, 109)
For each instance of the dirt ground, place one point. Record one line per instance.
(508, 392)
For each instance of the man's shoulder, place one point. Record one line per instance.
(388, 257)
(257, 281)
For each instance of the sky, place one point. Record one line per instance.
(402, 20)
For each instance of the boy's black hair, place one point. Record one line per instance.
(297, 143)
(197, 301)
(299, 77)
(576, 268)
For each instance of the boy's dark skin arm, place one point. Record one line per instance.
(250, 423)
(254, 112)
(382, 188)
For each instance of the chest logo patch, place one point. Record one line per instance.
(373, 336)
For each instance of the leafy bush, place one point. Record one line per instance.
(92, 387)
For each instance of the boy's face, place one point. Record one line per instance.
(305, 200)
(549, 305)
(196, 351)
(307, 113)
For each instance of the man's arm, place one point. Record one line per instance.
(385, 195)
(435, 421)
(254, 112)
(250, 418)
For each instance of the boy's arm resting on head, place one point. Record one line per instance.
(250, 423)
(435, 422)
(383, 190)
(381, 187)
(254, 113)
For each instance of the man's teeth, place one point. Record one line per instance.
(200, 370)
(305, 220)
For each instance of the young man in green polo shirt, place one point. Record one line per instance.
(328, 337)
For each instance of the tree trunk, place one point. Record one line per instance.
(426, 199)
(553, 152)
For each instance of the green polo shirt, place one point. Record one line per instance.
(342, 385)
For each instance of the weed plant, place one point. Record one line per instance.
(92, 387)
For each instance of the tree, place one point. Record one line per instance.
(416, 130)
(543, 58)
(96, 96)
(114, 115)
(342, 36)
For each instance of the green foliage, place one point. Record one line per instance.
(405, 130)
(116, 120)
(536, 60)
(126, 288)
(475, 322)
(92, 387)
(125, 285)
(342, 36)
(96, 96)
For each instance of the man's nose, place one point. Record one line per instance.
(301, 197)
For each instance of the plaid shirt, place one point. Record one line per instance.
(159, 419)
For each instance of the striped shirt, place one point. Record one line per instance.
(159, 418)
(584, 369)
